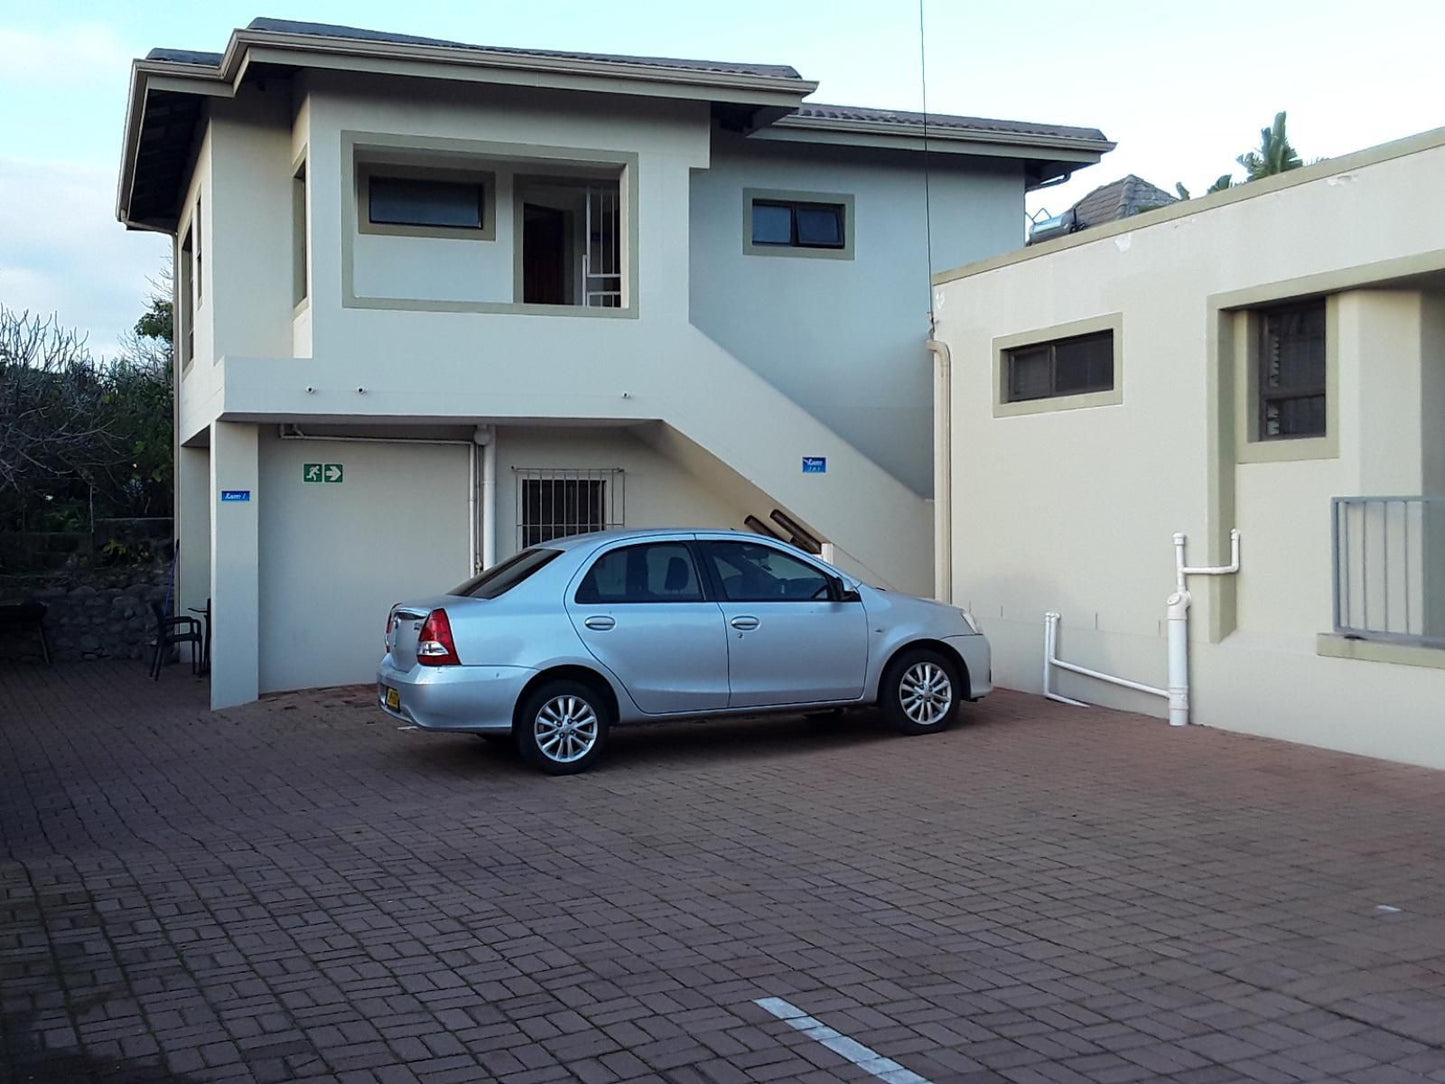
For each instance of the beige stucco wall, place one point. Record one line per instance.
(658, 492)
(199, 379)
(334, 558)
(193, 528)
(336, 358)
(1074, 509)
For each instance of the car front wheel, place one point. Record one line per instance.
(562, 727)
(920, 691)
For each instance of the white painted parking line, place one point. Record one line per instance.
(885, 1069)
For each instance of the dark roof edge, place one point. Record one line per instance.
(185, 56)
(382, 37)
(354, 36)
(944, 127)
(940, 124)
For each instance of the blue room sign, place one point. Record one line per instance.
(231, 496)
(815, 464)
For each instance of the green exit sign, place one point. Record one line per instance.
(321, 473)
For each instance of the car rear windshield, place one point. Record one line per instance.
(499, 579)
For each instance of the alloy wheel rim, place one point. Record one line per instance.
(566, 729)
(925, 693)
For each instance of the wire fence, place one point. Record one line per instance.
(112, 543)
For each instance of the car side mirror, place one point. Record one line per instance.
(843, 593)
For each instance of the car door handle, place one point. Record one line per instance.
(743, 624)
(600, 622)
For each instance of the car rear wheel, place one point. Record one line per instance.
(920, 691)
(562, 727)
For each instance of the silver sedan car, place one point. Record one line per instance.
(565, 640)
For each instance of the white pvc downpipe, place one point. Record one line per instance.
(1052, 661)
(1177, 618)
(486, 438)
(942, 470)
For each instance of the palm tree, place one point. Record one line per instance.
(1274, 154)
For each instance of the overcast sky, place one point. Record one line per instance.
(1181, 87)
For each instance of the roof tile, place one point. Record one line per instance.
(944, 121)
(1129, 195)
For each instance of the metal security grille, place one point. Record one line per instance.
(602, 256)
(1390, 569)
(554, 503)
(1292, 372)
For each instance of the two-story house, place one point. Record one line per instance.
(437, 302)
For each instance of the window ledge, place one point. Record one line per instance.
(1289, 450)
(1345, 647)
(1112, 397)
(806, 251)
(516, 308)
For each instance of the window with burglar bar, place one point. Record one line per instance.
(1291, 385)
(553, 503)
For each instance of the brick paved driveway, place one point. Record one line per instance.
(298, 889)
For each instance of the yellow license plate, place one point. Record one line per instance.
(393, 699)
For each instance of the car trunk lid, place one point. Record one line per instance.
(402, 632)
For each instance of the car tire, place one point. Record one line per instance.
(920, 691)
(562, 727)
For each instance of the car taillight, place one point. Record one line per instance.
(436, 646)
(386, 636)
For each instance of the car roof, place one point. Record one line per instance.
(634, 533)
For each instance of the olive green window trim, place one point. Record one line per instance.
(1345, 647)
(1226, 332)
(388, 148)
(1249, 446)
(196, 231)
(185, 317)
(484, 179)
(300, 237)
(1002, 408)
(777, 195)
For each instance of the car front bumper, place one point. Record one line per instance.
(977, 656)
(463, 698)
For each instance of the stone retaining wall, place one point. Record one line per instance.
(91, 614)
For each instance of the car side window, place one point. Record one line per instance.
(655, 572)
(751, 572)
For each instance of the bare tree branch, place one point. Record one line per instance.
(52, 399)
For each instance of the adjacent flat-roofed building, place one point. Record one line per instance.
(1269, 359)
